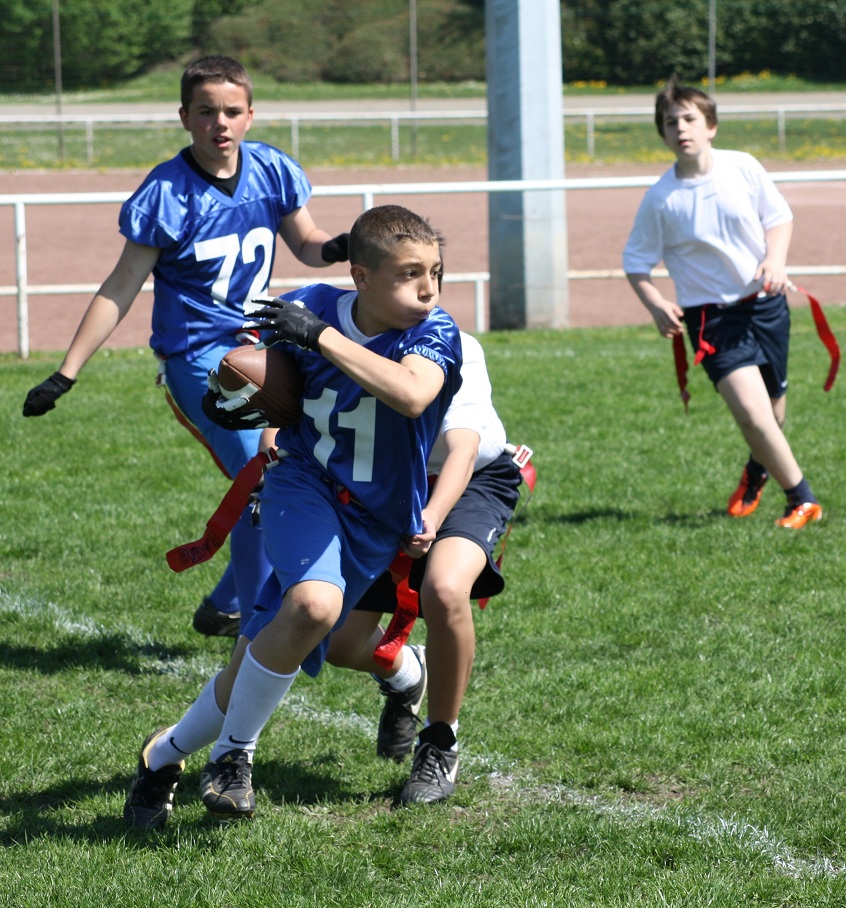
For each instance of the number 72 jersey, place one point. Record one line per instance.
(217, 251)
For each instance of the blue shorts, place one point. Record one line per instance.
(187, 384)
(480, 515)
(756, 333)
(310, 535)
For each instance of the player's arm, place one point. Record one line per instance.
(267, 440)
(311, 245)
(408, 386)
(665, 313)
(773, 270)
(109, 305)
(104, 313)
(462, 448)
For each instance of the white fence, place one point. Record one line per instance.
(780, 112)
(367, 193)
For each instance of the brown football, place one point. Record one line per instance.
(269, 378)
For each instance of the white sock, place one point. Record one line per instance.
(407, 675)
(255, 695)
(198, 728)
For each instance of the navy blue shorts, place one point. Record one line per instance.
(480, 515)
(756, 333)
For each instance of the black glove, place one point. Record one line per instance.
(43, 397)
(289, 322)
(230, 413)
(337, 249)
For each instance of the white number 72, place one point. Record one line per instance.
(228, 248)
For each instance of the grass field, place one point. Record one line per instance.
(369, 144)
(441, 144)
(656, 715)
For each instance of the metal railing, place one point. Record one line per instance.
(394, 120)
(367, 193)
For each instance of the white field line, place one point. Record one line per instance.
(197, 669)
(64, 620)
(740, 834)
(501, 770)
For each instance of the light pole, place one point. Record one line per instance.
(412, 67)
(57, 75)
(712, 46)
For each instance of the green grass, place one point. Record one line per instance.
(369, 144)
(656, 716)
(441, 144)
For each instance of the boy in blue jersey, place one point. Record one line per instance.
(381, 365)
(205, 224)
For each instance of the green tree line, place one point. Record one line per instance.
(619, 42)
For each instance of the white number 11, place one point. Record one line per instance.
(362, 420)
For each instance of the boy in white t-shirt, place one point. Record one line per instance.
(723, 230)
(467, 514)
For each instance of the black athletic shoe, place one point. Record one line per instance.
(401, 714)
(212, 623)
(433, 775)
(226, 787)
(149, 803)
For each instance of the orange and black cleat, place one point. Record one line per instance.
(746, 496)
(797, 515)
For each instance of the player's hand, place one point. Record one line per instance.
(667, 317)
(774, 276)
(230, 413)
(418, 545)
(336, 249)
(42, 398)
(290, 322)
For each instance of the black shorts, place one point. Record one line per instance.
(756, 333)
(480, 515)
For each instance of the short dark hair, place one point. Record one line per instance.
(218, 69)
(676, 93)
(376, 234)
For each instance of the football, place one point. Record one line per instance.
(269, 378)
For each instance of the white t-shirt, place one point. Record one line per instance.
(708, 230)
(471, 408)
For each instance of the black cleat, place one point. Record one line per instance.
(149, 803)
(212, 623)
(401, 714)
(226, 787)
(433, 775)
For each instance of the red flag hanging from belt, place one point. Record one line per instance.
(824, 332)
(220, 524)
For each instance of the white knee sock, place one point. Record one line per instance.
(407, 675)
(255, 695)
(198, 728)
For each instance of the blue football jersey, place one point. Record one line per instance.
(217, 251)
(362, 444)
